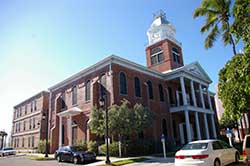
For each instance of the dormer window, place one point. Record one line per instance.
(156, 55)
(176, 55)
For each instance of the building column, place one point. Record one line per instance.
(70, 130)
(213, 125)
(206, 125)
(197, 122)
(201, 96)
(193, 93)
(188, 125)
(60, 131)
(209, 99)
(184, 95)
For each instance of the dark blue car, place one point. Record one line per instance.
(74, 154)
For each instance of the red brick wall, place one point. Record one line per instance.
(168, 62)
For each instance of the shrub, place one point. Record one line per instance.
(113, 149)
(135, 148)
(42, 146)
(82, 145)
(92, 146)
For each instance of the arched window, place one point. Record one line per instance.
(103, 85)
(74, 95)
(164, 127)
(123, 84)
(161, 93)
(137, 87)
(176, 55)
(87, 91)
(156, 55)
(170, 96)
(150, 90)
(63, 100)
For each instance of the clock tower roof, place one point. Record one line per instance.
(161, 29)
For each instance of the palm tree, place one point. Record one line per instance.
(217, 13)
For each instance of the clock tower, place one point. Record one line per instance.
(163, 50)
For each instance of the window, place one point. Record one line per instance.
(87, 91)
(28, 141)
(164, 127)
(63, 134)
(20, 112)
(34, 123)
(24, 125)
(23, 142)
(16, 127)
(35, 105)
(176, 55)
(31, 107)
(74, 95)
(103, 85)
(19, 126)
(33, 141)
(216, 145)
(170, 96)
(195, 146)
(161, 93)
(156, 55)
(123, 84)
(30, 123)
(137, 87)
(63, 101)
(17, 113)
(150, 90)
(25, 109)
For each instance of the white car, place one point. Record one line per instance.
(206, 153)
(7, 151)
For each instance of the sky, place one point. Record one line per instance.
(43, 42)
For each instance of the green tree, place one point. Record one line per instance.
(234, 86)
(97, 122)
(241, 24)
(217, 13)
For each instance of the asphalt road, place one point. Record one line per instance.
(24, 161)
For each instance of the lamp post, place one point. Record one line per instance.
(103, 102)
(45, 117)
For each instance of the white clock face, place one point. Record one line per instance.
(156, 35)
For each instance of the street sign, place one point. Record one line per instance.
(162, 138)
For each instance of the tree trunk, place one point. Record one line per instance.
(233, 43)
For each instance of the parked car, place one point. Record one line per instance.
(206, 153)
(74, 154)
(246, 148)
(7, 151)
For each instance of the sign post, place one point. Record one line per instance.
(163, 144)
(229, 136)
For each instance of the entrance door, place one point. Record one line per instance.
(183, 133)
(74, 134)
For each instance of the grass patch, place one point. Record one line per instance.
(124, 162)
(40, 158)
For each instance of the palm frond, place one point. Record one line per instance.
(210, 22)
(211, 38)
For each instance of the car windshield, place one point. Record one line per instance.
(76, 148)
(195, 146)
(8, 149)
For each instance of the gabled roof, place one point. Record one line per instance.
(193, 69)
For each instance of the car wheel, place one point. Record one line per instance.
(75, 160)
(216, 162)
(237, 157)
(58, 158)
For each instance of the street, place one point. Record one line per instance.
(24, 161)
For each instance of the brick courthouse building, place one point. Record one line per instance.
(177, 93)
